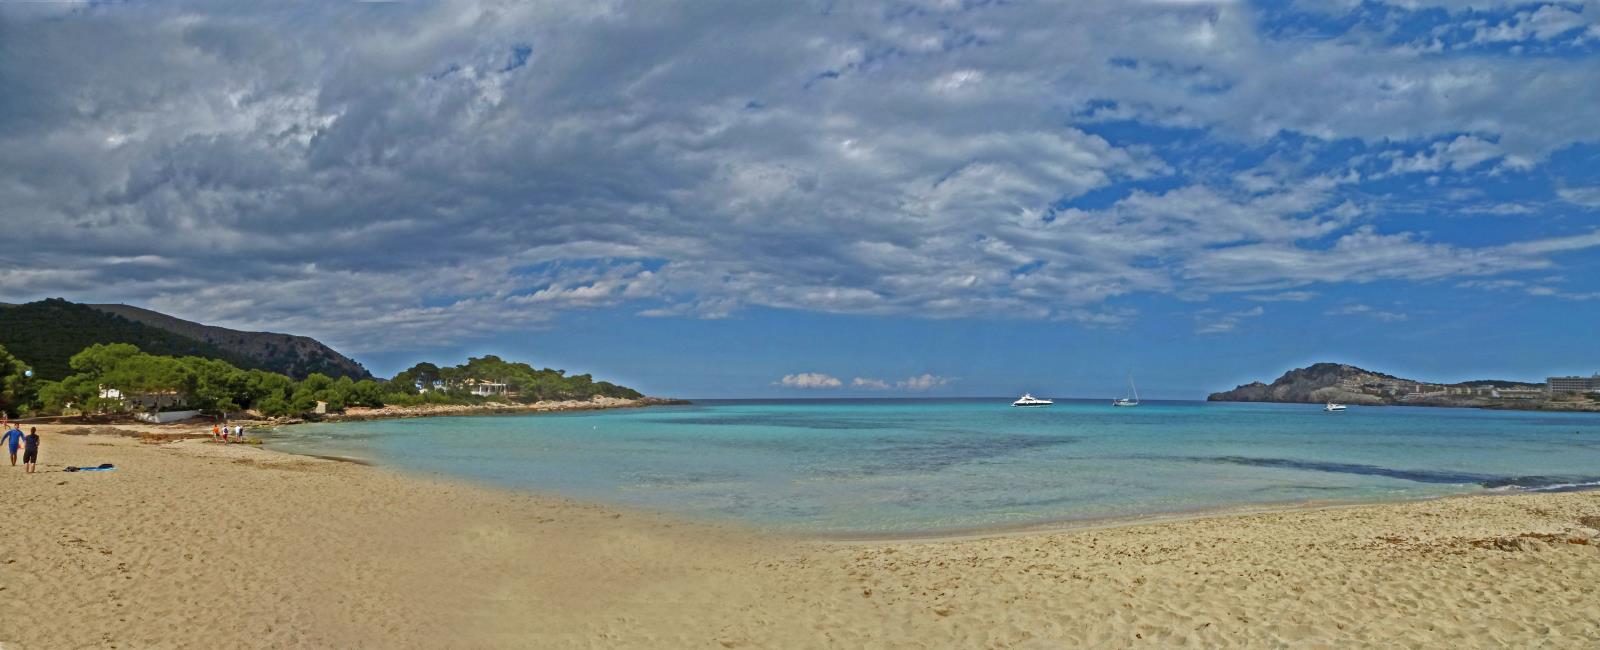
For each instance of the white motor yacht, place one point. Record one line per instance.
(1333, 407)
(1028, 399)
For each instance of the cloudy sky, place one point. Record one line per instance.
(814, 198)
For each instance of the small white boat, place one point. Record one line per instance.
(1028, 399)
(1123, 401)
(1333, 407)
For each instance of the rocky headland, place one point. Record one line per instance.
(1347, 384)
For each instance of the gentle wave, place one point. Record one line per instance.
(1543, 484)
(1416, 475)
(1520, 483)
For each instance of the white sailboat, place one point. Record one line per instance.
(1124, 401)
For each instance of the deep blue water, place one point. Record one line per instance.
(914, 466)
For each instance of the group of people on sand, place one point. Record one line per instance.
(29, 442)
(223, 432)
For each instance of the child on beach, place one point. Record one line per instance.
(216, 432)
(30, 450)
(13, 438)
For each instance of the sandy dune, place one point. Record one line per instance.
(198, 544)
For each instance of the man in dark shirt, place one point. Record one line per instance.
(30, 450)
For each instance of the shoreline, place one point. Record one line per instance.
(1071, 525)
(1042, 527)
(1051, 525)
(364, 414)
(354, 414)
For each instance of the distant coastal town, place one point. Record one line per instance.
(1411, 391)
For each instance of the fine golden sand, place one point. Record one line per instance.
(192, 543)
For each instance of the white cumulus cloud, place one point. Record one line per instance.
(1369, 312)
(1209, 321)
(1285, 296)
(924, 382)
(810, 380)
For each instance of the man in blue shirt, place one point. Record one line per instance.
(13, 438)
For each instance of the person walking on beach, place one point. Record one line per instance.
(216, 432)
(30, 450)
(13, 438)
(238, 433)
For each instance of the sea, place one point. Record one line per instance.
(910, 467)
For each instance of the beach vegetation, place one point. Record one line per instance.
(119, 378)
(524, 383)
(16, 386)
(411, 380)
(50, 332)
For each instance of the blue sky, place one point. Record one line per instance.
(729, 199)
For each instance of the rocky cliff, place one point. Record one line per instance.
(1344, 383)
(1322, 382)
(45, 334)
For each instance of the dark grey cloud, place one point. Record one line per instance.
(349, 169)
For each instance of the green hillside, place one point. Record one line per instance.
(287, 354)
(45, 334)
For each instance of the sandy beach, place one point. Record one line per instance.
(190, 543)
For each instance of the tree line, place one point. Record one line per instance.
(119, 377)
(523, 381)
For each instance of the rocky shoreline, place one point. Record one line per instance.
(361, 414)
(200, 427)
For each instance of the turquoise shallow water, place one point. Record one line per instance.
(885, 467)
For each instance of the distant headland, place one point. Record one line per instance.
(1347, 384)
(117, 363)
